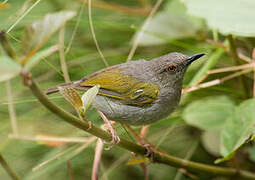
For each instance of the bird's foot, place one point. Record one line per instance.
(115, 137)
(109, 126)
(149, 151)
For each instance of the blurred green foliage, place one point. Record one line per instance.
(211, 116)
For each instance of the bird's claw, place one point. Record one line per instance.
(149, 152)
(115, 137)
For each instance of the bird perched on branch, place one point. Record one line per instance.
(137, 92)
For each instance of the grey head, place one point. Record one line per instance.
(170, 69)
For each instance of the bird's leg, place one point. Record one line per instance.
(141, 140)
(115, 137)
(149, 147)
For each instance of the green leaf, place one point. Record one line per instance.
(71, 96)
(40, 55)
(210, 113)
(238, 128)
(211, 142)
(227, 16)
(40, 31)
(220, 160)
(171, 23)
(89, 96)
(8, 68)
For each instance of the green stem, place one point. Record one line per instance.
(237, 61)
(158, 157)
(6, 45)
(9, 170)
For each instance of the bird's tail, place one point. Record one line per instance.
(55, 88)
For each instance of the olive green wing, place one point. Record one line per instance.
(124, 87)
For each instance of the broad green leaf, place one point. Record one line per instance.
(238, 128)
(227, 16)
(8, 68)
(211, 142)
(40, 31)
(89, 96)
(71, 96)
(171, 23)
(40, 55)
(210, 113)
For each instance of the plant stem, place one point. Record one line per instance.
(8, 168)
(6, 45)
(118, 8)
(157, 158)
(234, 53)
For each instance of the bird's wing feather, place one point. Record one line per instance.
(115, 84)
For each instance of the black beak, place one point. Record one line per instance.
(193, 58)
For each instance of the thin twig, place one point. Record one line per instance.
(233, 68)
(62, 54)
(5, 1)
(94, 34)
(8, 169)
(118, 8)
(115, 165)
(70, 170)
(215, 82)
(217, 44)
(97, 159)
(162, 138)
(11, 108)
(79, 149)
(75, 28)
(49, 139)
(140, 34)
(144, 131)
(157, 158)
(244, 58)
(145, 170)
(51, 159)
(227, 69)
(22, 16)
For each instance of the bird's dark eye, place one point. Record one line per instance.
(171, 68)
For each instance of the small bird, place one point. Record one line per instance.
(137, 92)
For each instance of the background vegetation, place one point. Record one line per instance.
(214, 122)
